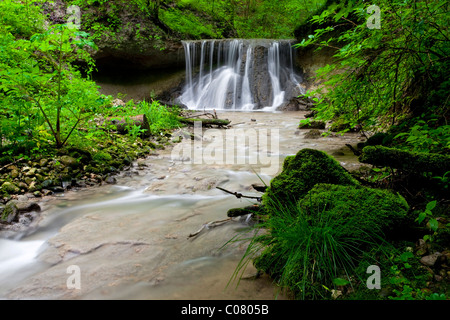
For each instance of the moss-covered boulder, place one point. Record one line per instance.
(10, 188)
(69, 161)
(363, 212)
(9, 212)
(300, 174)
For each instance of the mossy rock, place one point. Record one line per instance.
(365, 212)
(69, 161)
(10, 188)
(9, 212)
(300, 174)
(379, 138)
(314, 124)
(101, 157)
(340, 125)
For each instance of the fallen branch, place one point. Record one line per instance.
(208, 225)
(10, 164)
(240, 195)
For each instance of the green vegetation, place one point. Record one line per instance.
(382, 77)
(156, 21)
(301, 173)
(322, 230)
(51, 109)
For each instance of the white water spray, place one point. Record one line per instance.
(239, 74)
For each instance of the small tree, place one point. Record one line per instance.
(46, 78)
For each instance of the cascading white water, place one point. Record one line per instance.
(239, 74)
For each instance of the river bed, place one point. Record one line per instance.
(132, 240)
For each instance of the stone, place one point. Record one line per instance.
(10, 212)
(68, 161)
(22, 198)
(177, 139)
(110, 180)
(43, 162)
(14, 173)
(46, 192)
(313, 124)
(22, 185)
(27, 206)
(10, 188)
(31, 172)
(34, 186)
(421, 247)
(57, 189)
(47, 183)
(313, 134)
(431, 259)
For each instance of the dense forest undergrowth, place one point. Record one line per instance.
(324, 227)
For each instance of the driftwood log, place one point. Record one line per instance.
(207, 122)
(122, 124)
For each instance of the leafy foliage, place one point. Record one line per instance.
(382, 75)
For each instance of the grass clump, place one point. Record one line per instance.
(310, 256)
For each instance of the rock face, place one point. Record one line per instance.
(129, 38)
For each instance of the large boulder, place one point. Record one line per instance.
(10, 188)
(300, 174)
(362, 212)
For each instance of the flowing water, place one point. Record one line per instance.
(131, 240)
(239, 74)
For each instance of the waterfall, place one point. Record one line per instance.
(239, 74)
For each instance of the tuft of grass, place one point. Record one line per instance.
(308, 256)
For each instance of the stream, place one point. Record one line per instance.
(131, 240)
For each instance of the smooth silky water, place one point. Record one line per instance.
(131, 240)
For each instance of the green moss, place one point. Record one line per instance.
(101, 157)
(371, 209)
(10, 188)
(301, 173)
(404, 160)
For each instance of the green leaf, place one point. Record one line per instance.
(340, 282)
(406, 255)
(422, 216)
(431, 205)
(433, 224)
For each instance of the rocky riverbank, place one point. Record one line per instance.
(26, 182)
